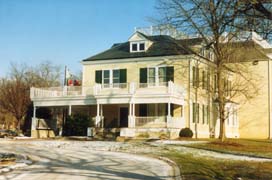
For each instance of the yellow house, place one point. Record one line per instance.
(151, 85)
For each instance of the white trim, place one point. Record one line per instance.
(140, 59)
(139, 34)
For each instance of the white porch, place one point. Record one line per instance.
(118, 105)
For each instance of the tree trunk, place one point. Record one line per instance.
(222, 134)
(18, 126)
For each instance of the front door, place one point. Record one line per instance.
(123, 117)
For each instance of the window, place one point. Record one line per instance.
(106, 78)
(142, 46)
(137, 46)
(162, 75)
(195, 113)
(204, 80)
(111, 78)
(116, 77)
(195, 76)
(156, 76)
(203, 114)
(208, 80)
(134, 47)
(202, 52)
(208, 114)
(151, 76)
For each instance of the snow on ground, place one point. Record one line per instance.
(142, 148)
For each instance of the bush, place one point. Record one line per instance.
(77, 124)
(186, 132)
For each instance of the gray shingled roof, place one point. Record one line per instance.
(162, 46)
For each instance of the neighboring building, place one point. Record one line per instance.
(152, 84)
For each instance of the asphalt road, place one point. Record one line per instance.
(81, 163)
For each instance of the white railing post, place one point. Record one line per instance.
(34, 119)
(97, 89)
(132, 87)
(65, 90)
(97, 119)
(83, 91)
(170, 87)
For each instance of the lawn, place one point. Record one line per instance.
(257, 148)
(203, 168)
(198, 168)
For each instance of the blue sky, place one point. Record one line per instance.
(66, 31)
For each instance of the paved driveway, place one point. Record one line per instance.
(82, 163)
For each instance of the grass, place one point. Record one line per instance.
(201, 168)
(198, 168)
(256, 148)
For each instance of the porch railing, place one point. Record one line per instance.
(151, 121)
(105, 89)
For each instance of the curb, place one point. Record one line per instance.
(176, 172)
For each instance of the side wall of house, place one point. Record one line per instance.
(254, 114)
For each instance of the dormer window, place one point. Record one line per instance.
(134, 46)
(139, 42)
(137, 46)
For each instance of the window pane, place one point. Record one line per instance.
(162, 71)
(116, 80)
(134, 47)
(106, 73)
(106, 81)
(162, 74)
(162, 79)
(151, 72)
(142, 46)
(116, 73)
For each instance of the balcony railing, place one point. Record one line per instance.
(108, 89)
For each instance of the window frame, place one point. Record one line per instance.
(157, 76)
(138, 46)
(133, 45)
(143, 46)
(111, 78)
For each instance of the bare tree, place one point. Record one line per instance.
(210, 20)
(15, 88)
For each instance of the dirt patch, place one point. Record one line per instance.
(6, 163)
(7, 157)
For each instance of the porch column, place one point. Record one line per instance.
(34, 119)
(133, 115)
(129, 115)
(70, 110)
(168, 119)
(101, 116)
(97, 119)
(169, 109)
(34, 111)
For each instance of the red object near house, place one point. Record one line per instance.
(70, 82)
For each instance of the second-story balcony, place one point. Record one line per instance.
(132, 88)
